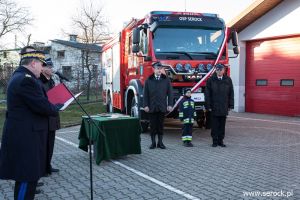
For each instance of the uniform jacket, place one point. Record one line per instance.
(219, 95)
(24, 139)
(157, 93)
(54, 122)
(187, 111)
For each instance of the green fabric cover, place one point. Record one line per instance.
(119, 136)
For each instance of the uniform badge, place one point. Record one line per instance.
(28, 75)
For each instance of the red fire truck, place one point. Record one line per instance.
(188, 45)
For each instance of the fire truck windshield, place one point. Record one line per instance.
(187, 43)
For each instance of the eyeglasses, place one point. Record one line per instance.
(219, 69)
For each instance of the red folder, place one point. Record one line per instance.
(61, 95)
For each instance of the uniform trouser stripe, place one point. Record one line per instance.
(22, 191)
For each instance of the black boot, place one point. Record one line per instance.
(160, 143)
(153, 145)
(215, 143)
(189, 144)
(221, 144)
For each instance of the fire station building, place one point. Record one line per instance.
(266, 74)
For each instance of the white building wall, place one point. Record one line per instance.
(281, 20)
(73, 58)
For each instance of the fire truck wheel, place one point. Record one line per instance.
(134, 108)
(200, 119)
(200, 123)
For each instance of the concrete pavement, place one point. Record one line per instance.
(261, 161)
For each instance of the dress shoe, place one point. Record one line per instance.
(39, 184)
(152, 146)
(214, 145)
(54, 170)
(222, 145)
(160, 144)
(38, 191)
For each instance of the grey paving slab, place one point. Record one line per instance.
(262, 155)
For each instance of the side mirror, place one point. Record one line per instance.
(234, 38)
(135, 48)
(136, 36)
(236, 50)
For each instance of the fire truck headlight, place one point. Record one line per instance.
(188, 67)
(179, 67)
(209, 67)
(201, 68)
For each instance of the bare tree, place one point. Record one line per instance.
(93, 29)
(13, 17)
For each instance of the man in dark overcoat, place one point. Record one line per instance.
(158, 99)
(23, 153)
(219, 98)
(54, 122)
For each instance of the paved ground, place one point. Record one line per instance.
(262, 157)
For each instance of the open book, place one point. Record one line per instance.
(61, 95)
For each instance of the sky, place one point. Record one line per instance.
(53, 18)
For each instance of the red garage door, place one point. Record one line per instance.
(273, 76)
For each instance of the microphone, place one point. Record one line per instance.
(61, 76)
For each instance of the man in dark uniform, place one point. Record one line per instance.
(54, 122)
(23, 153)
(157, 92)
(219, 97)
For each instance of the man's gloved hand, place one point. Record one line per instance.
(146, 109)
(59, 106)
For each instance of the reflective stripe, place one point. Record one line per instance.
(195, 114)
(186, 103)
(181, 114)
(188, 120)
(186, 138)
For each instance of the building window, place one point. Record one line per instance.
(67, 71)
(287, 82)
(60, 54)
(261, 82)
(4, 54)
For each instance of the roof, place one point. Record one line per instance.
(252, 13)
(78, 45)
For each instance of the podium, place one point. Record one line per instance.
(120, 136)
